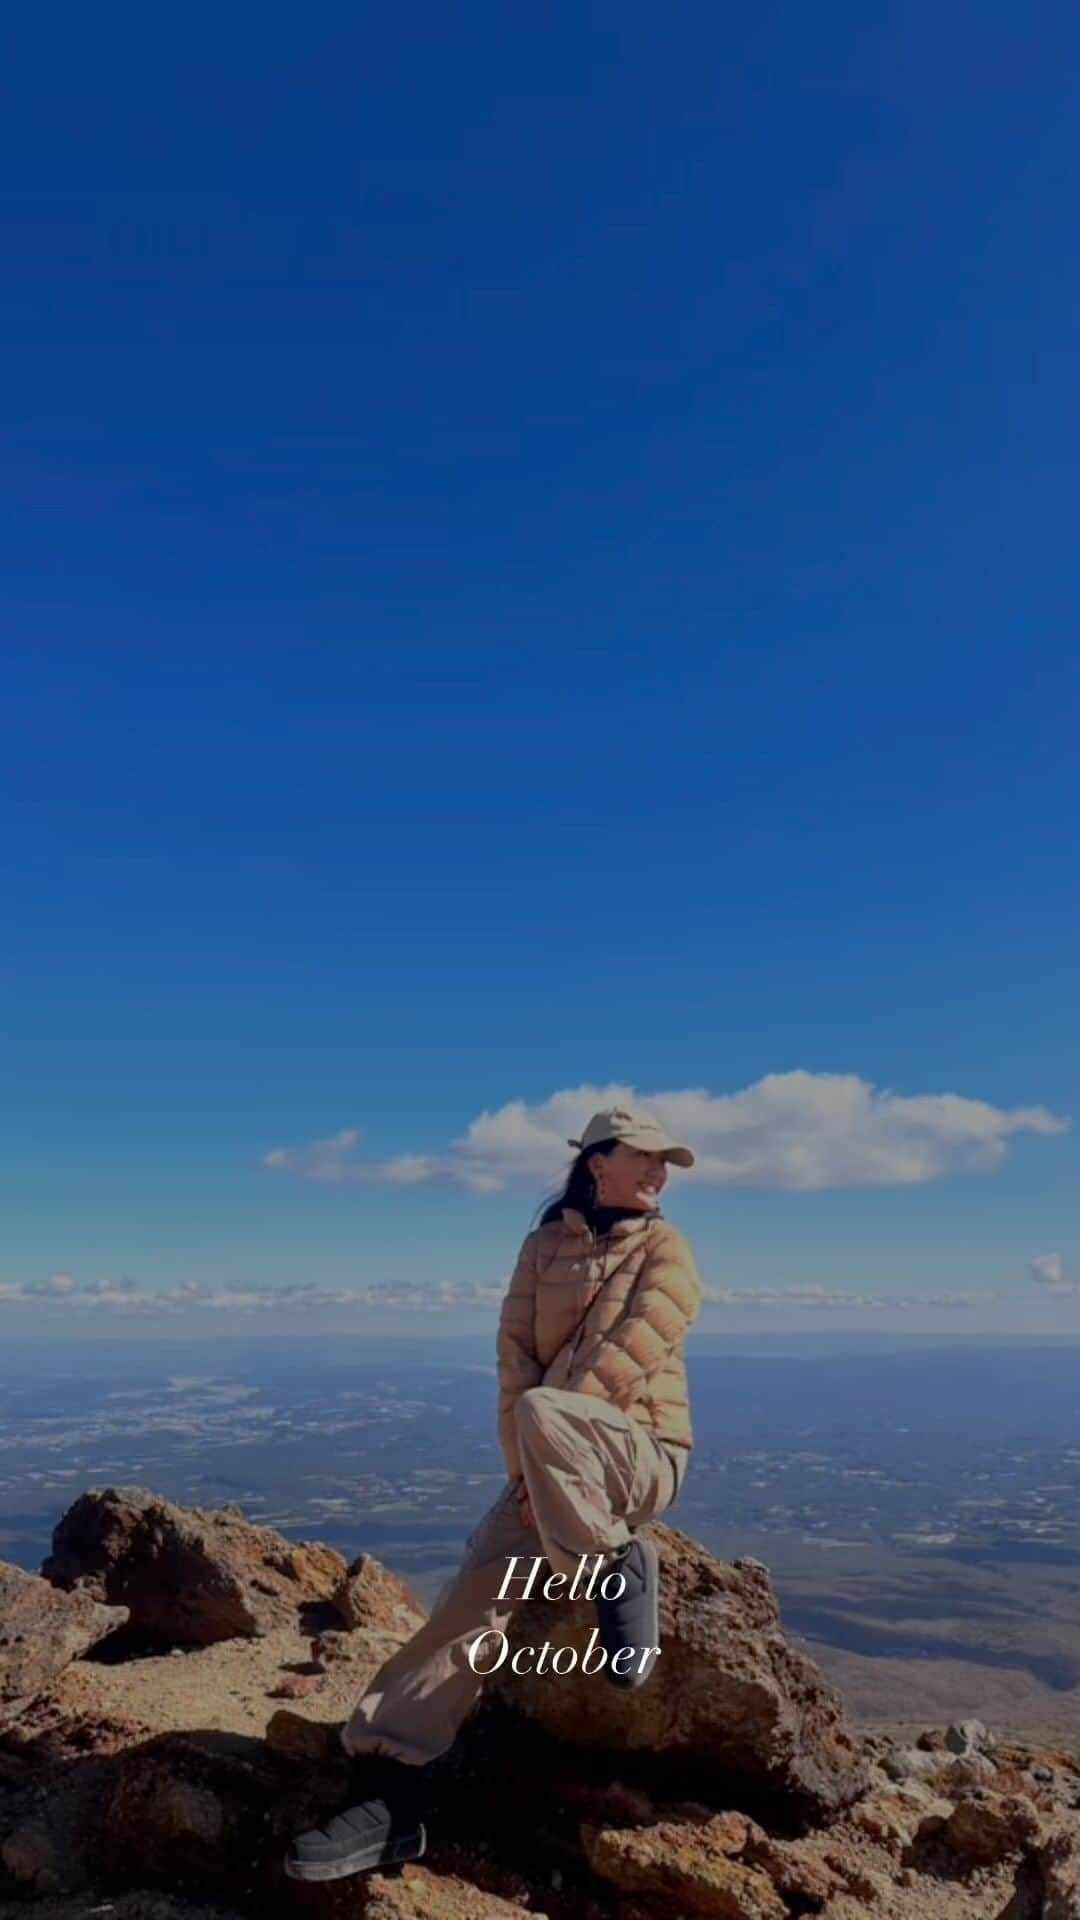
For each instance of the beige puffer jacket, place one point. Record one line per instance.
(604, 1316)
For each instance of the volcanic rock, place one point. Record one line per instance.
(1059, 1863)
(984, 1827)
(686, 1866)
(369, 1595)
(41, 1630)
(728, 1692)
(187, 1576)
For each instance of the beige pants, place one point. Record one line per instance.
(593, 1474)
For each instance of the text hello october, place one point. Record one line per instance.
(563, 1659)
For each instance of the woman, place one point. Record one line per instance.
(594, 1424)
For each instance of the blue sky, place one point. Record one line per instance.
(539, 556)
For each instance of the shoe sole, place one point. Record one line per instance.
(629, 1681)
(408, 1846)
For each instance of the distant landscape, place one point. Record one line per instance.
(919, 1510)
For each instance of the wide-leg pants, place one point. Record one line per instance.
(593, 1474)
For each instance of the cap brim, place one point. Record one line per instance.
(670, 1149)
(681, 1156)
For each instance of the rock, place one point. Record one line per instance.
(912, 1763)
(364, 1650)
(968, 1736)
(1059, 1866)
(187, 1576)
(415, 1894)
(985, 1828)
(120, 1777)
(29, 1853)
(685, 1866)
(728, 1692)
(331, 1648)
(191, 1817)
(728, 1832)
(49, 1823)
(863, 1884)
(921, 1798)
(882, 1823)
(793, 1866)
(845, 1906)
(369, 1595)
(41, 1631)
(932, 1740)
(298, 1686)
(299, 1738)
(968, 1771)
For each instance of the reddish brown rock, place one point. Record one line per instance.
(416, 1894)
(985, 1827)
(369, 1595)
(29, 1854)
(298, 1738)
(882, 1820)
(1059, 1866)
(689, 1866)
(194, 1818)
(795, 1868)
(728, 1691)
(187, 1576)
(41, 1630)
(298, 1686)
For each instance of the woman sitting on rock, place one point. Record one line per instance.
(594, 1424)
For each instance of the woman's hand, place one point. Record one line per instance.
(521, 1495)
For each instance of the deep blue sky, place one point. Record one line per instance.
(537, 553)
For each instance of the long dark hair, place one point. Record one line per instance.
(580, 1188)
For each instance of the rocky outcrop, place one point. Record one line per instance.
(691, 1868)
(729, 1694)
(178, 1772)
(372, 1597)
(984, 1827)
(41, 1631)
(1059, 1868)
(187, 1577)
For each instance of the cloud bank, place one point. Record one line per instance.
(801, 1131)
(428, 1297)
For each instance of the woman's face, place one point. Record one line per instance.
(628, 1177)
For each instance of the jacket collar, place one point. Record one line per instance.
(576, 1222)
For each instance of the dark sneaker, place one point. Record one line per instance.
(632, 1619)
(381, 1829)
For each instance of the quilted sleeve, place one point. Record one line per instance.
(665, 1301)
(519, 1366)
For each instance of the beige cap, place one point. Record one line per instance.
(636, 1128)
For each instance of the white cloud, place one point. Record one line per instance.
(799, 1130)
(329, 1160)
(819, 1299)
(321, 1161)
(1048, 1270)
(438, 1297)
(433, 1297)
